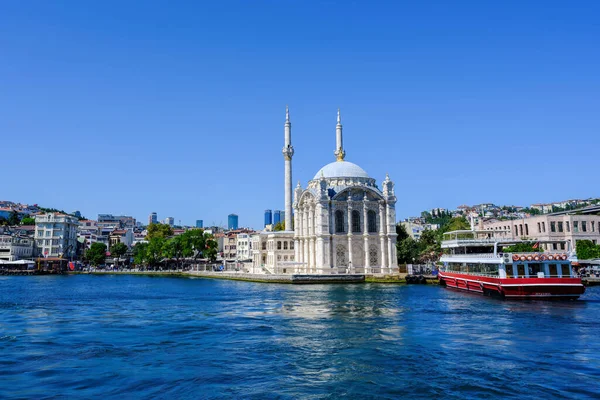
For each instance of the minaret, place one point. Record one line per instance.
(339, 142)
(288, 152)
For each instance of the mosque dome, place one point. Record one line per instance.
(341, 169)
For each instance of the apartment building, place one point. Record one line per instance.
(55, 235)
(568, 228)
(15, 247)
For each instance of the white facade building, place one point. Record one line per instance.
(243, 246)
(343, 221)
(55, 235)
(14, 247)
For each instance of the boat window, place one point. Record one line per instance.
(553, 270)
(509, 271)
(566, 271)
(534, 268)
(520, 270)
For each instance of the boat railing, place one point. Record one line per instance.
(486, 274)
(468, 242)
(482, 255)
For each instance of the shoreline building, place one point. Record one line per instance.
(55, 235)
(550, 227)
(199, 223)
(343, 223)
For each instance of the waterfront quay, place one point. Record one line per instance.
(400, 278)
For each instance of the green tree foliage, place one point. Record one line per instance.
(408, 251)
(194, 243)
(139, 253)
(524, 247)
(455, 224)
(159, 231)
(156, 251)
(280, 226)
(118, 249)
(13, 218)
(401, 232)
(96, 254)
(587, 250)
(28, 221)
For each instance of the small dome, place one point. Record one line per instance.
(341, 169)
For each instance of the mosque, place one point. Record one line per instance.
(342, 221)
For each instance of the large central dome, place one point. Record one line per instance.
(341, 169)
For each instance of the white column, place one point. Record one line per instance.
(288, 153)
(382, 224)
(350, 262)
(366, 233)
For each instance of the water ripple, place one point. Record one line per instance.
(134, 336)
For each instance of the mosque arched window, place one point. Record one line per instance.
(285, 244)
(339, 221)
(372, 220)
(291, 245)
(278, 245)
(355, 221)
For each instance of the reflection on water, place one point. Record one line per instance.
(92, 336)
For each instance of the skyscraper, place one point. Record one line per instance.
(268, 217)
(152, 218)
(170, 221)
(199, 223)
(276, 217)
(232, 221)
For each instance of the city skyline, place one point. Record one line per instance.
(475, 109)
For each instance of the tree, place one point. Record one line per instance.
(154, 251)
(280, 226)
(13, 218)
(587, 250)
(96, 254)
(401, 232)
(408, 251)
(118, 249)
(139, 253)
(28, 221)
(175, 248)
(159, 231)
(456, 224)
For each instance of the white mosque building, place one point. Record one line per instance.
(343, 223)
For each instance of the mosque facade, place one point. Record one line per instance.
(342, 221)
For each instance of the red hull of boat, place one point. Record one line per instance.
(515, 288)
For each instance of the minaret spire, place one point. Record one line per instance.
(288, 153)
(339, 141)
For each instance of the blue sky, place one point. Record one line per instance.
(178, 107)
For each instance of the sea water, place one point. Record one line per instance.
(157, 337)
